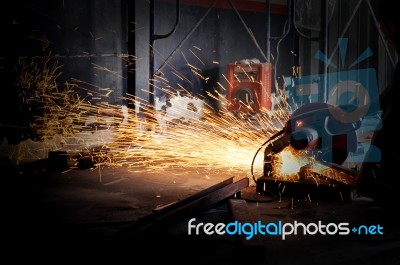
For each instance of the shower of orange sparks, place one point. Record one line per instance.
(222, 141)
(148, 140)
(216, 141)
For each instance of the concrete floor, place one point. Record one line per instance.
(78, 213)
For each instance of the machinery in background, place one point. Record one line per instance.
(249, 87)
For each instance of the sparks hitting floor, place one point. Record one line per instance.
(76, 210)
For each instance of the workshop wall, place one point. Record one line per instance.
(206, 41)
(88, 41)
(84, 40)
(353, 20)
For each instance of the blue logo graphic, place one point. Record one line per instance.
(352, 103)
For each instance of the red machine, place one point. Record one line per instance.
(249, 87)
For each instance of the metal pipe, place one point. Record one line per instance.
(177, 16)
(296, 29)
(323, 44)
(268, 30)
(153, 38)
(187, 36)
(151, 55)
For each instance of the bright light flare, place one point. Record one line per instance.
(293, 165)
(287, 164)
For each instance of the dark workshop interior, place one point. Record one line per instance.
(196, 132)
